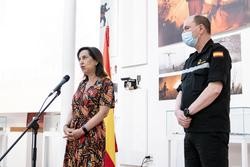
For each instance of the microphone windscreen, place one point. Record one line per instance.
(66, 77)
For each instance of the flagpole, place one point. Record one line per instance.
(109, 158)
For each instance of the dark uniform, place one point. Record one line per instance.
(206, 139)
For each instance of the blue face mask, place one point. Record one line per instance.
(188, 39)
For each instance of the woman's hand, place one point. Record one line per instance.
(67, 131)
(73, 134)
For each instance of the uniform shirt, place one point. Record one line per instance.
(211, 65)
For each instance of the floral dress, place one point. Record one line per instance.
(88, 151)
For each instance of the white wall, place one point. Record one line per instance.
(31, 52)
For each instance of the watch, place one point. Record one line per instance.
(85, 129)
(186, 112)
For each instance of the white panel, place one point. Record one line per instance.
(132, 140)
(239, 120)
(132, 32)
(20, 150)
(52, 142)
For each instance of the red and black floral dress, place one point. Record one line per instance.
(88, 151)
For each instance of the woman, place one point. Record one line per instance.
(84, 130)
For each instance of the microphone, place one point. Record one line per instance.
(58, 87)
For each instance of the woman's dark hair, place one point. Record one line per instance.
(198, 19)
(97, 56)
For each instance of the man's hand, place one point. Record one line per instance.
(182, 120)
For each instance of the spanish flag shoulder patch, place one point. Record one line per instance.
(218, 54)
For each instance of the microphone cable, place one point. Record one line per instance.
(146, 159)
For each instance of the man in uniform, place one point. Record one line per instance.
(203, 100)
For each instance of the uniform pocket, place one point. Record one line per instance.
(200, 79)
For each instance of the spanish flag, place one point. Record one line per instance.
(109, 158)
(218, 54)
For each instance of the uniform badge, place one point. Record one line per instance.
(201, 62)
(218, 54)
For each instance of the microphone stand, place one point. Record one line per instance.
(34, 125)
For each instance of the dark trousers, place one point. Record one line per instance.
(206, 149)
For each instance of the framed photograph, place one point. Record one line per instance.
(225, 15)
(168, 86)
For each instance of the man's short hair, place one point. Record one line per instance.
(198, 19)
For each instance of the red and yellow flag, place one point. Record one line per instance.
(218, 54)
(109, 158)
